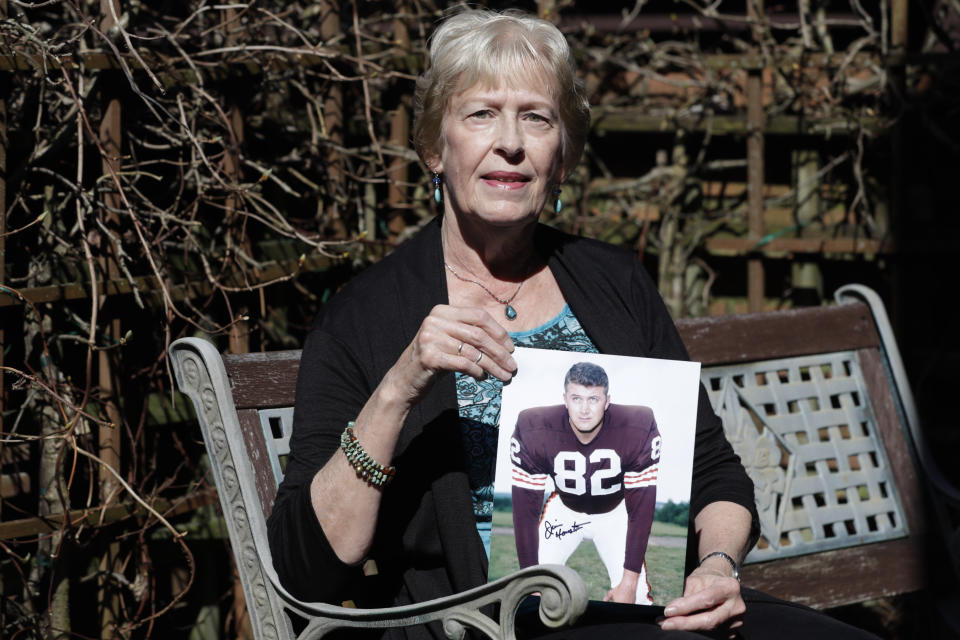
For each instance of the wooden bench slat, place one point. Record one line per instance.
(894, 441)
(834, 578)
(263, 380)
(766, 336)
(259, 458)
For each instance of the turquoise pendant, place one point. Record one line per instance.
(510, 312)
(558, 206)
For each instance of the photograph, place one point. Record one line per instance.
(594, 470)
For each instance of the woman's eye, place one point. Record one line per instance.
(482, 114)
(536, 117)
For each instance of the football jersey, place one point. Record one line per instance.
(619, 464)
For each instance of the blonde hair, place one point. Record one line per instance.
(493, 48)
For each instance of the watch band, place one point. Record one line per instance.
(728, 558)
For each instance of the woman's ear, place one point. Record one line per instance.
(434, 162)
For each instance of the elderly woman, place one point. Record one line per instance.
(401, 375)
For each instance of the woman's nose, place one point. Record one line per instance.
(509, 139)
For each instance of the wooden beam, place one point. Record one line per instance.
(802, 245)
(150, 286)
(29, 527)
(639, 120)
(688, 21)
(173, 69)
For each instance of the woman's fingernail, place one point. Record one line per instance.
(669, 611)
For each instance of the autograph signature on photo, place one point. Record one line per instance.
(556, 530)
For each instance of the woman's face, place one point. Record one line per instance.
(500, 154)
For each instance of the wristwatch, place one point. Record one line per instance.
(733, 563)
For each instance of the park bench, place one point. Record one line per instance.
(814, 400)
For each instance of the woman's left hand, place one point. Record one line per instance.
(711, 601)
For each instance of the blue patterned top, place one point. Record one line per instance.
(479, 402)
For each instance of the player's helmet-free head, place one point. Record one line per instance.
(587, 374)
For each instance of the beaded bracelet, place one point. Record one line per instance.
(374, 474)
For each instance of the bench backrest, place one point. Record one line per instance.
(806, 401)
(807, 404)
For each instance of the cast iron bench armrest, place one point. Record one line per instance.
(563, 599)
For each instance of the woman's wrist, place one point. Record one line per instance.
(721, 563)
(393, 396)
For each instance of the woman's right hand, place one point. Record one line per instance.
(451, 338)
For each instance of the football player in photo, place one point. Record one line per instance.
(599, 462)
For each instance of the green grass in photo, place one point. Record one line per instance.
(664, 565)
(664, 568)
(502, 518)
(667, 529)
(503, 554)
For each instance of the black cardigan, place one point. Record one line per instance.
(426, 545)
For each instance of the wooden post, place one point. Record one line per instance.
(672, 262)
(239, 330)
(898, 25)
(755, 168)
(4, 79)
(895, 227)
(806, 281)
(332, 125)
(108, 438)
(399, 137)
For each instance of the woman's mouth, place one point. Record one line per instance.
(505, 180)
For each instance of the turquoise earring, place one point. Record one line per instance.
(558, 205)
(437, 194)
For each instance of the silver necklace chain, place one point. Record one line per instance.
(481, 285)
